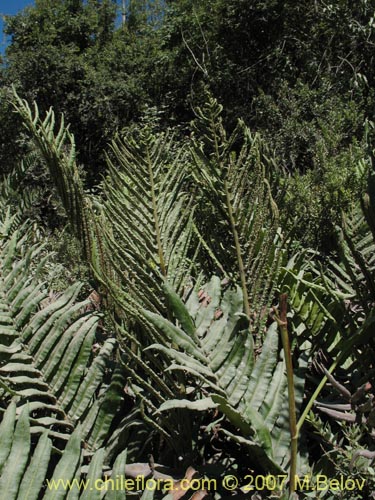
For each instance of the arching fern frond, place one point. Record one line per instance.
(56, 145)
(59, 153)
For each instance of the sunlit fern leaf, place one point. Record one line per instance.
(117, 472)
(353, 277)
(46, 358)
(333, 306)
(33, 470)
(213, 346)
(151, 218)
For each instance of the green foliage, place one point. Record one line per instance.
(215, 348)
(77, 40)
(25, 474)
(149, 238)
(10, 149)
(46, 354)
(339, 449)
(182, 241)
(206, 372)
(317, 139)
(149, 235)
(243, 50)
(300, 75)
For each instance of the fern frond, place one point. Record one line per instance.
(58, 151)
(46, 358)
(213, 347)
(151, 218)
(231, 175)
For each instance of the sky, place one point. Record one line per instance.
(10, 7)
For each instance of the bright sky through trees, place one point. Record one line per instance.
(10, 7)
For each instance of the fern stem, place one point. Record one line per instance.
(237, 244)
(283, 325)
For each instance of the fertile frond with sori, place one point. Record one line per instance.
(210, 345)
(149, 236)
(57, 147)
(241, 229)
(47, 359)
(59, 152)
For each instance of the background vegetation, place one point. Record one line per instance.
(187, 278)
